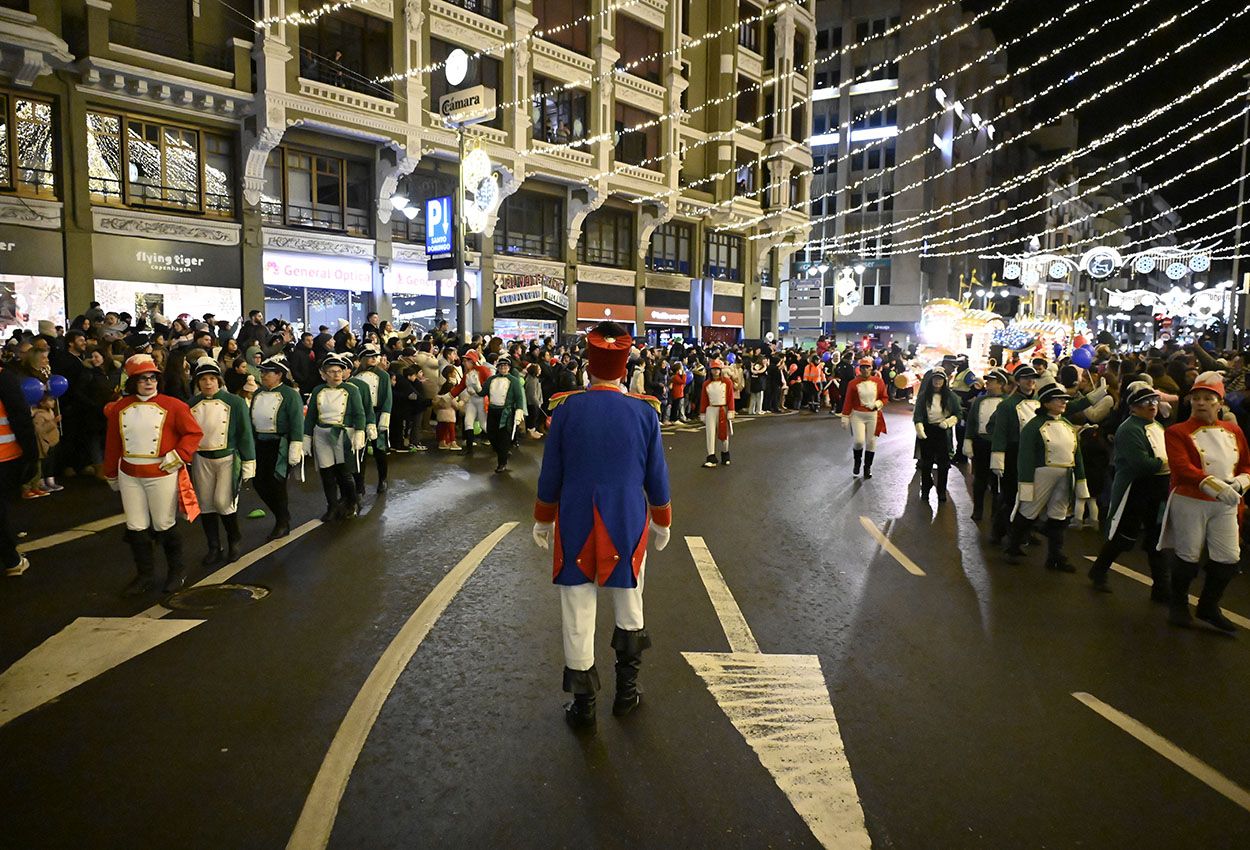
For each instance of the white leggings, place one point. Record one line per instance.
(149, 502)
(711, 425)
(577, 616)
(864, 429)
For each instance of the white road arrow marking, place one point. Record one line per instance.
(894, 551)
(780, 705)
(1183, 759)
(78, 653)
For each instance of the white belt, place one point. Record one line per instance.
(141, 461)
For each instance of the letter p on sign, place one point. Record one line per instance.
(438, 225)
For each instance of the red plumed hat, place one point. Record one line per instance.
(607, 355)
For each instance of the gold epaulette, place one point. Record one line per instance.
(649, 399)
(555, 400)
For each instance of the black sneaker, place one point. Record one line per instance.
(724, 458)
(710, 462)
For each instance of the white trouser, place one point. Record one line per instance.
(711, 423)
(149, 502)
(328, 447)
(577, 617)
(864, 429)
(213, 478)
(757, 404)
(474, 411)
(1191, 522)
(1052, 494)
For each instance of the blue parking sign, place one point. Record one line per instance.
(438, 225)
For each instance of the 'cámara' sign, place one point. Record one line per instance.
(468, 106)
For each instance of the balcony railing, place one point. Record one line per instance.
(322, 71)
(164, 44)
(485, 8)
(332, 219)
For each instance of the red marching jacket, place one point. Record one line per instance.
(851, 403)
(722, 426)
(1185, 455)
(164, 424)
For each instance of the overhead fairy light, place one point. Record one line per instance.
(833, 162)
(1158, 60)
(679, 113)
(307, 16)
(931, 241)
(512, 45)
(920, 219)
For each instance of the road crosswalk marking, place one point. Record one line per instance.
(1183, 759)
(78, 531)
(780, 705)
(1148, 581)
(894, 551)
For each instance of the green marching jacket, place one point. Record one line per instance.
(239, 441)
(375, 387)
(1005, 427)
(1134, 459)
(289, 422)
(951, 406)
(515, 400)
(354, 419)
(1032, 455)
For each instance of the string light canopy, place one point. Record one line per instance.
(305, 17)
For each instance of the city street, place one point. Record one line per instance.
(974, 703)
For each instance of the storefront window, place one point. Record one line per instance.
(607, 239)
(326, 307)
(26, 149)
(724, 256)
(559, 114)
(554, 21)
(286, 303)
(322, 192)
(671, 248)
(531, 224)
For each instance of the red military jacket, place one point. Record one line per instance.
(851, 403)
(140, 433)
(1197, 451)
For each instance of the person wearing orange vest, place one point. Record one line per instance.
(813, 377)
(18, 454)
(149, 437)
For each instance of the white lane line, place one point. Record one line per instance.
(737, 632)
(1183, 759)
(1193, 600)
(232, 569)
(894, 551)
(78, 531)
(316, 820)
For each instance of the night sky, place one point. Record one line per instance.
(1156, 87)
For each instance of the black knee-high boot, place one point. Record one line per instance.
(629, 646)
(1160, 573)
(1055, 559)
(233, 536)
(1218, 578)
(582, 684)
(1102, 564)
(380, 460)
(1183, 573)
(859, 460)
(212, 534)
(141, 548)
(176, 570)
(1017, 535)
(330, 486)
(349, 506)
(868, 456)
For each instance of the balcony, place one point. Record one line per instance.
(485, 8)
(150, 40)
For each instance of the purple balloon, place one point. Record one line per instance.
(32, 390)
(58, 386)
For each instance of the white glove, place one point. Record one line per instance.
(846, 422)
(542, 534)
(1241, 483)
(878, 404)
(661, 533)
(730, 413)
(113, 484)
(1026, 491)
(998, 460)
(1220, 490)
(949, 422)
(968, 452)
(249, 470)
(384, 421)
(358, 440)
(172, 462)
(1230, 496)
(295, 453)
(371, 432)
(308, 447)
(920, 430)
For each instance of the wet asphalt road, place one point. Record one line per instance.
(953, 690)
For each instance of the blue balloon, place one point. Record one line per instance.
(1083, 357)
(729, 357)
(826, 357)
(58, 386)
(32, 390)
(1058, 350)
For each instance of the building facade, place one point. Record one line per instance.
(172, 156)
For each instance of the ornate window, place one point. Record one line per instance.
(608, 239)
(26, 147)
(532, 225)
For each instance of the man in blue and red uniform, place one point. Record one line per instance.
(604, 482)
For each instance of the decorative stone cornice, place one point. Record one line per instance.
(673, 282)
(158, 226)
(505, 264)
(30, 212)
(464, 27)
(650, 12)
(146, 87)
(27, 50)
(640, 93)
(407, 252)
(561, 63)
(598, 274)
(318, 243)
